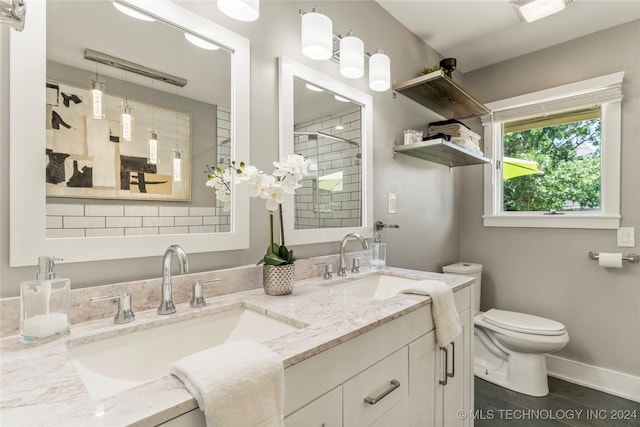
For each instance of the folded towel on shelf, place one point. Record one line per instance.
(467, 144)
(448, 122)
(239, 383)
(454, 130)
(443, 308)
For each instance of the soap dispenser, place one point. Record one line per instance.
(44, 304)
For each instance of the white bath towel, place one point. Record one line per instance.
(443, 308)
(236, 384)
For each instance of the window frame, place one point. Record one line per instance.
(605, 91)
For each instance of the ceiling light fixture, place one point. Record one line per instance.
(96, 88)
(242, 10)
(532, 10)
(126, 121)
(153, 146)
(314, 88)
(132, 12)
(351, 56)
(200, 42)
(318, 41)
(341, 99)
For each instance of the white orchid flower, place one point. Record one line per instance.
(275, 196)
(261, 188)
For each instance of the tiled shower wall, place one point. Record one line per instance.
(317, 208)
(96, 220)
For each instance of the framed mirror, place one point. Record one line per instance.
(83, 188)
(330, 123)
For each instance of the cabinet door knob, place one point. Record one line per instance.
(373, 400)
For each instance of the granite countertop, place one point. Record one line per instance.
(41, 386)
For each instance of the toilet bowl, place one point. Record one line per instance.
(510, 347)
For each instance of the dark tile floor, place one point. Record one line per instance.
(566, 404)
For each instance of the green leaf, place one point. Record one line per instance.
(284, 253)
(272, 259)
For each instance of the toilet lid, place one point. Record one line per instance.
(525, 323)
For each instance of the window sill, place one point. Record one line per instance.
(539, 220)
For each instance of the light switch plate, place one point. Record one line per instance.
(391, 205)
(626, 237)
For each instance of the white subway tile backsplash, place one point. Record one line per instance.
(54, 222)
(146, 231)
(59, 233)
(174, 211)
(124, 221)
(83, 222)
(202, 229)
(141, 210)
(174, 230)
(104, 210)
(210, 220)
(64, 209)
(201, 211)
(104, 232)
(158, 221)
(188, 220)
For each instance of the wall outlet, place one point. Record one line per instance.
(392, 203)
(626, 237)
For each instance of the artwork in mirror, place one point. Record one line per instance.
(101, 158)
(327, 130)
(330, 123)
(185, 82)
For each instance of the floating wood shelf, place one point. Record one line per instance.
(441, 151)
(442, 95)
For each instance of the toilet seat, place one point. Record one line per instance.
(523, 323)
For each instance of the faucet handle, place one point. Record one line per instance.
(124, 314)
(197, 299)
(328, 270)
(355, 268)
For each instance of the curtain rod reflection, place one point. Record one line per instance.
(123, 64)
(326, 135)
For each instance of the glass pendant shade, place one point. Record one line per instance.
(96, 87)
(351, 56)
(126, 122)
(177, 165)
(242, 10)
(379, 71)
(153, 147)
(317, 35)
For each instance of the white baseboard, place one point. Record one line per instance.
(612, 382)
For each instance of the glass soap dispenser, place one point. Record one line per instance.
(44, 304)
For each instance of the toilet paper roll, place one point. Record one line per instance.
(610, 259)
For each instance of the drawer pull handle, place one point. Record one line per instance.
(446, 366)
(373, 400)
(453, 361)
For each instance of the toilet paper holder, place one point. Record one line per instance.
(595, 255)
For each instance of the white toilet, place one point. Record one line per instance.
(510, 346)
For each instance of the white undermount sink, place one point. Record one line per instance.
(379, 286)
(111, 365)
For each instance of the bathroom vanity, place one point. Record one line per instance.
(350, 360)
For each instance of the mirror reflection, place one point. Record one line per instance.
(108, 178)
(327, 130)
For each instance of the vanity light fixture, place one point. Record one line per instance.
(126, 121)
(132, 12)
(96, 88)
(379, 71)
(351, 56)
(153, 146)
(200, 42)
(242, 10)
(532, 10)
(177, 165)
(318, 40)
(317, 35)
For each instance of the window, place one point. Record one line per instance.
(556, 157)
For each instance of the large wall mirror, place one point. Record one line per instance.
(111, 188)
(328, 122)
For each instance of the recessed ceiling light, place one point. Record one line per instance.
(132, 12)
(341, 99)
(314, 88)
(339, 127)
(532, 10)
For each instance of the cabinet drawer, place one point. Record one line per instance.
(373, 383)
(462, 298)
(325, 411)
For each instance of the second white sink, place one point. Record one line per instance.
(111, 365)
(380, 286)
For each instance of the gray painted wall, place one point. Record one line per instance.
(545, 271)
(427, 193)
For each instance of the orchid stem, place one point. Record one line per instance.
(271, 230)
(281, 226)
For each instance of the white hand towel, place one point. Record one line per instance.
(443, 308)
(240, 383)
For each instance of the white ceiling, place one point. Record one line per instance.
(479, 33)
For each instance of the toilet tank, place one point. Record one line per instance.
(468, 269)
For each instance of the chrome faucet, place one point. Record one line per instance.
(342, 269)
(166, 299)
